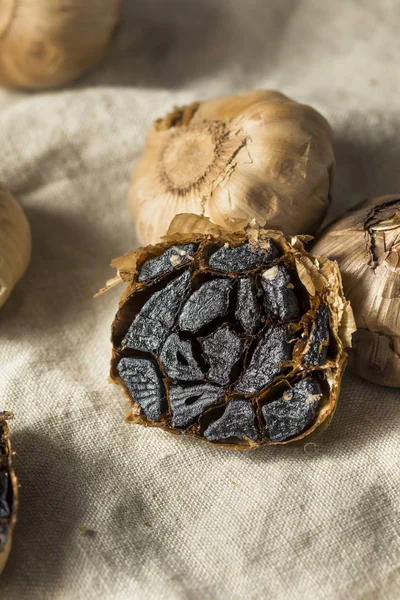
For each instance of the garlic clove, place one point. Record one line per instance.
(255, 155)
(15, 244)
(8, 491)
(48, 44)
(366, 244)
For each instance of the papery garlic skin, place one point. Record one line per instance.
(366, 244)
(257, 155)
(15, 244)
(48, 43)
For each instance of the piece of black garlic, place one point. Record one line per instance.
(167, 261)
(5, 508)
(266, 363)
(280, 296)
(207, 303)
(221, 350)
(238, 421)
(189, 402)
(248, 310)
(178, 361)
(291, 414)
(152, 324)
(144, 383)
(243, 258)
(319, 338)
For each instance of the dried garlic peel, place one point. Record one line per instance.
(366, 244)
(49, 43)
(8, 491)
(15, 244)
(256, 155)
(226, 343)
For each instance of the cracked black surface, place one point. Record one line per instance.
(242, 258)
(291, 414)
(167, 261)
(203, 351)
(144, 383)
(238, 421)
(319, 338)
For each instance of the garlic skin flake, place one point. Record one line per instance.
(366, 244)
(48, 43)
(15, 244)
(258, 155)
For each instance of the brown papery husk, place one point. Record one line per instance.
(6, 464)
(255, 155)
(316, 273)
(366, 244)
(48, 43)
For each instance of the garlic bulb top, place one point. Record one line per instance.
(15, 244)
(48, 43)
(366, 244)
(256, 155)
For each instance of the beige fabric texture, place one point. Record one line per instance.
(169, 518)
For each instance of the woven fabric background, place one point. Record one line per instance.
(168, 518)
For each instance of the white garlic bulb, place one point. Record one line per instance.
(366, 244)
(47, 43)
(15, 244)
(257, 155)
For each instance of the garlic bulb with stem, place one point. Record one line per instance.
(366, 244)
(255, 155)
(15, 244)
(48, 43)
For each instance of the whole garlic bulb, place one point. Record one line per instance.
(47, 43)
(366, 244)
(15, 244)
(255, 155)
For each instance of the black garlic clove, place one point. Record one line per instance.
(178, 361)
(152, 324)
(238, 421)
(280, 296)
(144, 384)
(266, 362)
(291, 414)
(189, 402)
(243, 258)
(248, 310)
(5, 508)
(206, 304)
(167, 261)
(221, 350)
(319, 338)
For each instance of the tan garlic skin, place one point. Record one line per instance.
(366, 244)
(48, 43)
(15, 244)
(255, 155)
(6, 465)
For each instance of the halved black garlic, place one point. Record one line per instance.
(8, 491)
(236, 338)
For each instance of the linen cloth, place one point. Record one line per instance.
(170, 518)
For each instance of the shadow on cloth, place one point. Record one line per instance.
(168, 43)
(51, 508)
(70, 262)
